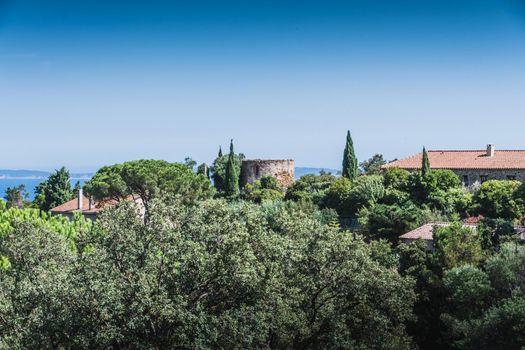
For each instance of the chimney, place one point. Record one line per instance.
(80, 199)
(491, 150)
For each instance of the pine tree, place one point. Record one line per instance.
(232, 177)
(16, 197)
(220, 152)
(425, 166)
(349, 159)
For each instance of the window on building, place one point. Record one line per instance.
(511, 177)
(465, 180)
(483, 178)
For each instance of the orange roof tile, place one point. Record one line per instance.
(472, 220)
(502, 159)
(72, 206)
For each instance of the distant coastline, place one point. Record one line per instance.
(10, 174)
(3, 177)
(32, 178)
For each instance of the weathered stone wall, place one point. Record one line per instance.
(474, 176)
(282, 170)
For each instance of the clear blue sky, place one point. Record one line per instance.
(87, 83)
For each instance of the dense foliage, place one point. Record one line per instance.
(212, 275)
(372, 166)
(499, 199)
(11, 217)
(265, 189)
(218, 170)
(148, 179)
(55, 190)
(16, 196)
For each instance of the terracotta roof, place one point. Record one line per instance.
(423, 232)
(502, 159)
(473, 219)
(72, 206)
(426, 231)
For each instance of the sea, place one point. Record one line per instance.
(30, 185)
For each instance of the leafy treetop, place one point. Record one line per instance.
(54, 191)
(148, 179)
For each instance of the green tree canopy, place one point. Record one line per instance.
(265, 189)
(148, 179)
(396, 178)
(367, 191)
(54, 191)
(16, 197)
(469, 290)
(495, 232)
(312, 188)
(391, 221)
(211, 275)
(373, 165)
(497, 199)
(338, 196)
(486, 304)
(435, 183)
(349, 197)
(418, 262)
(218, 169)
(204, 170)
(190, 163)
(457, 245)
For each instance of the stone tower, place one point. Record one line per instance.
(253, 169)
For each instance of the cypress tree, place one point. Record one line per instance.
(349, 159)
(425, 166)
(220, 152)
(231, 187)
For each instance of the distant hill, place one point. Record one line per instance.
(36, 174)
(301, 171)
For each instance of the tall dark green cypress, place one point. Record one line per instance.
(231, 188)
(425, 166)
(349, 159)
(220, 152)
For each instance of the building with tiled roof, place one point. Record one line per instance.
(473, 220)
(426, 233)
(471, 165)
(88, 207)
